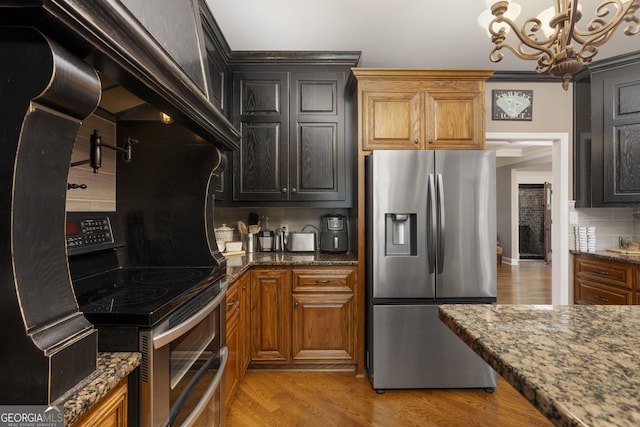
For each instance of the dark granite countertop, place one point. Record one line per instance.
(579, 365)
(611, 256)
(110, 370)
(236, 265)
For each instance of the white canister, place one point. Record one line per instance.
(224, 233)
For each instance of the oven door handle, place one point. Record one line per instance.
(202, 404)
(164, 338)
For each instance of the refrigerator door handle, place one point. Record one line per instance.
(441, 228)
(432, 224)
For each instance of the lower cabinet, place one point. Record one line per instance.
(303, 315)
(270, 316)
(238, 335)
(601, 281)
(232, 378)
(111, 411)
(323, 324)
(289, 316)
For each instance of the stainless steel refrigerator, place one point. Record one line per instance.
(430, 239)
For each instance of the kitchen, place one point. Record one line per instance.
(186, 103)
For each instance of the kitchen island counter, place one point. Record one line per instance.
(578, 365)
(236, 265)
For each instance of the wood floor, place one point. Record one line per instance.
(310, 399)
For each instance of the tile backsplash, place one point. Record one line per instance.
(296, 218)
(610, 223)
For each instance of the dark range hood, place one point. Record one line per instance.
(108, 37)
(56, 55)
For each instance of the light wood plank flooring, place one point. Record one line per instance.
(276, 398)
(527, 283)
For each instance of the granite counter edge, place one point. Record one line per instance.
(111, 368)
(609, 256)
(234, 272)
(543, 403)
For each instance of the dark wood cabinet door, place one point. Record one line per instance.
(622, 138)
(261, 109)
(317, 137)
(615, 150)
(214, 61)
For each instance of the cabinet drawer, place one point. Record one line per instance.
(232, 300)
(323, 280)
(604, 272)
(592, 293)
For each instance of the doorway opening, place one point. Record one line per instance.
(559, 208)
(531, 221)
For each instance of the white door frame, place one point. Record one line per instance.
(560, 207)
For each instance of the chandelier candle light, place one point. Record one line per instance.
(552, 38)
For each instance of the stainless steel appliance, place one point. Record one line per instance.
(173, 315)
(334, 235)
(430, 238)
(302, 241)
(266, 240)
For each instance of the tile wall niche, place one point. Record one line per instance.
(610, 223)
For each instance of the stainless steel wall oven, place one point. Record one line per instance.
(173, 315)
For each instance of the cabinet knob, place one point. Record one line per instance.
(416, 141)
(284, 189)
(431, 141)
(293, 190)
(296, 304)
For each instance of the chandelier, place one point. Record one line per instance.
(553, 38)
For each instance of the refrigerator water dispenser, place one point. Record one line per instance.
(400, 234)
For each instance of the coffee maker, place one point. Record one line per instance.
(334, 237)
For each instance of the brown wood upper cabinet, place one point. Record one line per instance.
(421, 109)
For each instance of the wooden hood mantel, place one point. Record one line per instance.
(48, 345)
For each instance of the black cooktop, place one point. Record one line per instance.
(142, 296)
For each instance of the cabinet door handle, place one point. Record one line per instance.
(232, 302)
(322, 282)
(416, 141)
(602, 273)
(599, 298)
(284, 189)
